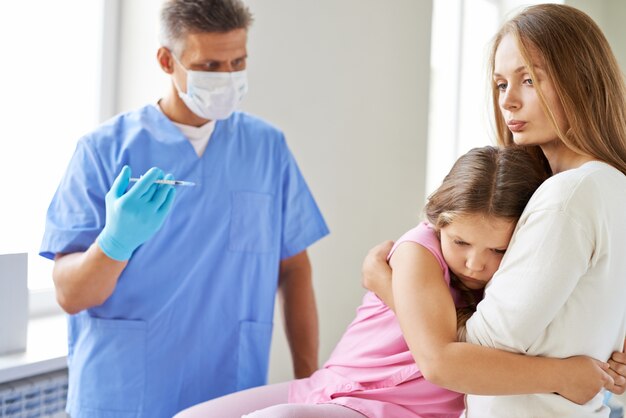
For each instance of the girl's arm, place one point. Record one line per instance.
(376, 273)
(427, 316)
(377, 278)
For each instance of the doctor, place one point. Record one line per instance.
(171, 291)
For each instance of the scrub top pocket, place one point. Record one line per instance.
(252, 228)
(254, 353)
(108, 367)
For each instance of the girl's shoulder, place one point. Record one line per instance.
(425, 235)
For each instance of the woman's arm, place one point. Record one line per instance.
(618, 371)
(427, 316)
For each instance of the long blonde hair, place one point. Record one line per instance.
(586, 77)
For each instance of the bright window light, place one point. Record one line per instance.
(460, 112)
(51, 75)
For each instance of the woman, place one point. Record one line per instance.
(561, 288)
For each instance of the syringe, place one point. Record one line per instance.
(172, 182)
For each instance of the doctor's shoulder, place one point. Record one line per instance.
(111, 138)
(255, 128)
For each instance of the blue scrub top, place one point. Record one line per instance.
(191, 316)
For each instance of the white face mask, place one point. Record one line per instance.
(213, 95)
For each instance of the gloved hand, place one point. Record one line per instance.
(133, 217)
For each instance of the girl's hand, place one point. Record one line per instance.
(376, 273)
(618, 371)
(583, 378)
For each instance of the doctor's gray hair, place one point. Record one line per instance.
(181, 17)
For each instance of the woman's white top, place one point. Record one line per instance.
(561, 287)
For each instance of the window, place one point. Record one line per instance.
(459, 99)
(51, 97)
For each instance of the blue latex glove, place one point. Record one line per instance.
(133, 216)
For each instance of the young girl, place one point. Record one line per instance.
(371, 372)
(561, 289)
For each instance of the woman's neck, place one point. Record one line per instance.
(561, 158)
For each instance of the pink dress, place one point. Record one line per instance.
(372, 370)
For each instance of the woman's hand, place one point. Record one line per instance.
(618, 371)
(376, 273)
(583, 377)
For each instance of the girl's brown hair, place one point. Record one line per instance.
(490, 182)
(580, 65)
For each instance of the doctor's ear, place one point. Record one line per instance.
(166, 60)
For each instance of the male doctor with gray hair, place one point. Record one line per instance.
(171, 288)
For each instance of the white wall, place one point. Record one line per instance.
(140, 78)
(348, 83)
(610, 15)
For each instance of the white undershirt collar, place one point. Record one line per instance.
(198, 136)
